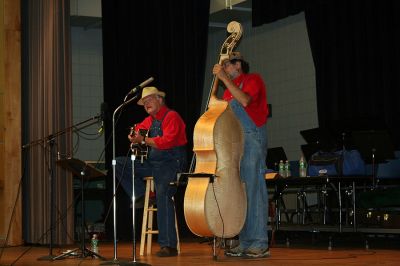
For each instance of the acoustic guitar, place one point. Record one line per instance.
(138, 149)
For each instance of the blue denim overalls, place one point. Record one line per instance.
(254, 233)
(163, 165)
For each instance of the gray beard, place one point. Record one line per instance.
(234, 75)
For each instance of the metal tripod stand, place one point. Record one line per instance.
(83, 168)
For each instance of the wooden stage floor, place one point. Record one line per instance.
(196, 253)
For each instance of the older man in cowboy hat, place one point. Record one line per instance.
(166, 139)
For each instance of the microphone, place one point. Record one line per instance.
(102, 117)
(139, 87)
(101, 128)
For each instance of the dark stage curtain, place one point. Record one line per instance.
(166, 40)
(267, 11)
(355, 50)
(163, 39)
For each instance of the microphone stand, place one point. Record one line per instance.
(134, 262)
(373, 150)
(92, 120)
(115, 261)
(51, 140)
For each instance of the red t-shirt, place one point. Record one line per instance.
(173, 127)
(253, 85)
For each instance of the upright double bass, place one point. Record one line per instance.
(217, 206)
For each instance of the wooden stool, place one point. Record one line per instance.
(147, 223)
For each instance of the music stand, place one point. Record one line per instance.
(375, 146)
(86, 172)
(319, 137)
(274, 155)
(309, 149)
(51, 140)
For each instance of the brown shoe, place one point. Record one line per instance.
(167, 252)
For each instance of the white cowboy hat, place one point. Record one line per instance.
(147, 91)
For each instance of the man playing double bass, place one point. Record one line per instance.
(246, 94)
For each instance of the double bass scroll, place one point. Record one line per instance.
(217, 208)
(236, 31)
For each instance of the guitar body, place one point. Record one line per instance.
(218, 208)
(139, 150)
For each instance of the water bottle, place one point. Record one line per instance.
(282, 169)
(287, 169)
(302, 167)
(95, 244)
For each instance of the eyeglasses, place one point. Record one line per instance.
(149, 99)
